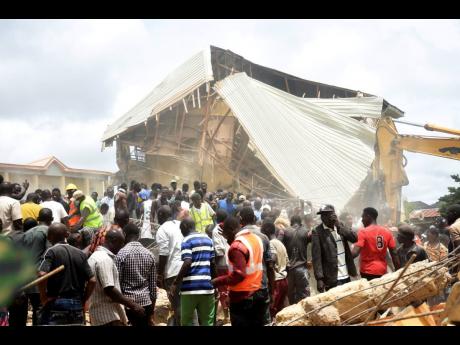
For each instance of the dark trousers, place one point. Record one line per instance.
(18, 311)
(250, 311)
(138, 321)
(298, 285)
(369, 276)
(62, 311)
(339, 282)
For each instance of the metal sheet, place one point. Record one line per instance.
(316, 153)
(181, 82)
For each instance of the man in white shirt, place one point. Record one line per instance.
(10, 210)
(59, 213)
(169, 239)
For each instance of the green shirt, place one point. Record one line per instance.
(94, 219)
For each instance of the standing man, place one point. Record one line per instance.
(221, 248)
(248, 221)
(91, 219)
(10, 210)
(121, 199)
(258, 208)
(36, 242)
(59, 213)
(147, 221)
(137, 272)
(132, 199)
(453, 221)
(228, 204)
(56, 193)
(201, 213)
(406, 239)
(169, 239)
(74, 212)
(105, 307)
(245, 256)
(109, 198)
(373, 242)
(64, 295)
(296, 240)
(281, 260)
(173, 185)
(194, 278)
(31, 207)
(332, 260)
(435, 250)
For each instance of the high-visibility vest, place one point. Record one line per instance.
(72, 211)
(94, 219)
(254, 266)
(201, 217)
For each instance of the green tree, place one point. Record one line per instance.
(453, 197)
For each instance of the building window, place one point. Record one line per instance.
(136, 154)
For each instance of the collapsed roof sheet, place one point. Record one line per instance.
(182, 81)
(316, 153)
(353, 106)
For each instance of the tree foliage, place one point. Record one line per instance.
(453, 197)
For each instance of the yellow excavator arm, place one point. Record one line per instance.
(388, 166)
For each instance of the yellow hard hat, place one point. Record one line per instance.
(71, 186)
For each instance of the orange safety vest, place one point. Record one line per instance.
(75, 219)
(254, 266)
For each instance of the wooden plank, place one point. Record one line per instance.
(181, 130)
(287, 85)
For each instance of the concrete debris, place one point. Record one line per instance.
(453, 304)
(162, 308)
(366, 295)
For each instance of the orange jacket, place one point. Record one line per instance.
(254, 266)
(73, 210)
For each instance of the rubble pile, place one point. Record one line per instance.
(334, 307)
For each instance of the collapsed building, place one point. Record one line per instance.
(240, 126)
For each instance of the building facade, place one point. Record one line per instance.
(50, 172)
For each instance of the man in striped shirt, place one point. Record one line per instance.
(194, 278)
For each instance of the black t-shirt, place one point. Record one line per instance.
(296, 240)
(69, 283)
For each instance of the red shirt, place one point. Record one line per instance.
(374, 241)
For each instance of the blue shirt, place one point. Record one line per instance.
(197, 247)
(229, 207)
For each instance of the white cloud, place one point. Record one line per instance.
(64, 81)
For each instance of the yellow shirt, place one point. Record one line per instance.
(30, 210)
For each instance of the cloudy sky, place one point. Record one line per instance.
(63, 81)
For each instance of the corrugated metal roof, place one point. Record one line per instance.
(425, 213)
(182, 81)
(316, 153)
(353, 106)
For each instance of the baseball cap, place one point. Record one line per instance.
(326, 208)
(173, 181)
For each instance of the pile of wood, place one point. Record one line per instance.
(353, 302)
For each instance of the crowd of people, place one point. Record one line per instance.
(244, 252)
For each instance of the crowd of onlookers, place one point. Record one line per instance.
(248, 255)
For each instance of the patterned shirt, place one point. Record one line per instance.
(198, 248)
(102, 309)
(136, 268)
(342, 271)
